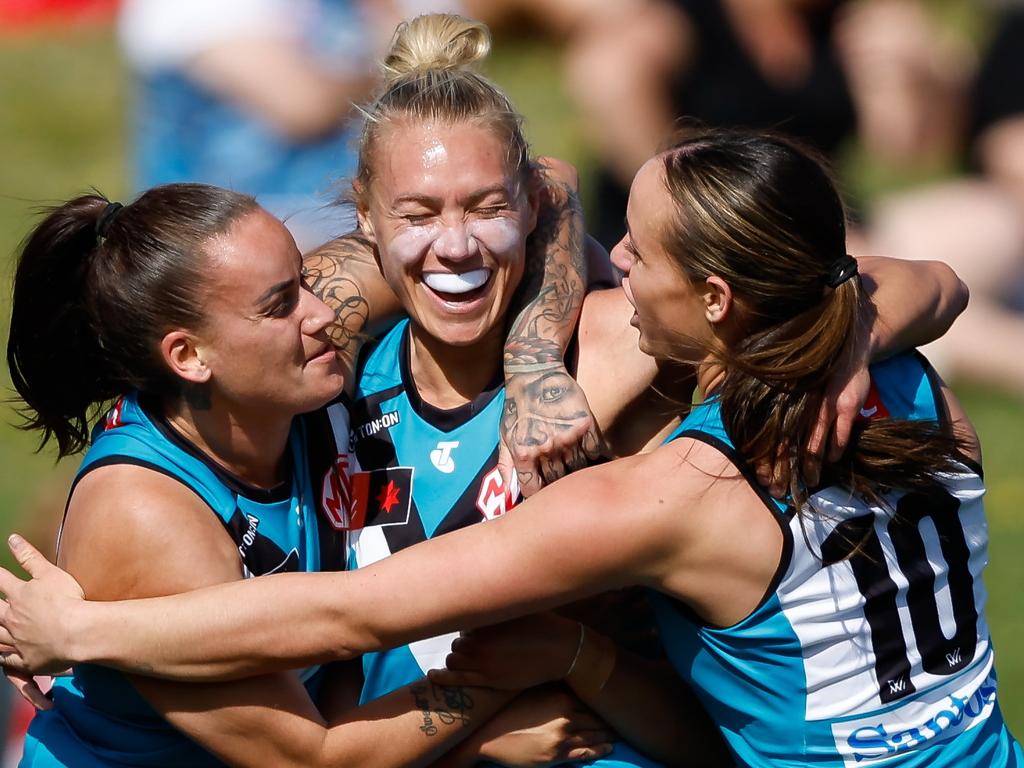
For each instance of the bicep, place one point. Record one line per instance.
(131, 532)
(343, 273)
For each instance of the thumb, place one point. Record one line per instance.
(506, 466)
(28, 557)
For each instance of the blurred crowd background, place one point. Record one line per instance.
(918, 103)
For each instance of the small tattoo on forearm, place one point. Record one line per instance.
(441, 705)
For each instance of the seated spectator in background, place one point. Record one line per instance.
(808, 68)
(976, 223)
(255, 95)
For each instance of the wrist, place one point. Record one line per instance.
(77, 643)
(593, 665)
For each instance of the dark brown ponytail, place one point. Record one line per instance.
(92, 300)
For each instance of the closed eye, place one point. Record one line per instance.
(631, 250)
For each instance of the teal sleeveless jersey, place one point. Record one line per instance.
(418, 472)
(98, 718)
(880, 657)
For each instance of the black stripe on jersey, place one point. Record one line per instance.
(321, 455)
(440, 418)
(942, 409)
(377, 452)
(782, 517)
(465, 511)
(261, 555)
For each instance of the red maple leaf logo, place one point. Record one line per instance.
(388, 497)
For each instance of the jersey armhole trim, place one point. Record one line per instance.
(782, 518)
(942, 410)
(114, 460)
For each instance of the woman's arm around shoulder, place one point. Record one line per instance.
(156, 537)
(633, 521)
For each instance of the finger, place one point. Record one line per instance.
(819, 435)
(592, 445)
(13, 662)
(590, 737)
(840, 436)
(764, 473)
(585, 719)
(506, 466)
(465, 661)
(588, 753)
(552, 468)
(574, 459)
(29, 690)
(28, 557)
(780, 474)
(9, 583)
(528, 472)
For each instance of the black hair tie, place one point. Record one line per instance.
(106, 219)
(842, 269)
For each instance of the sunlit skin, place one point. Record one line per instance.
(450, 218)
(264, 335)
(260, 354)
(668, 307)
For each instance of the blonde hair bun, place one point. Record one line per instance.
(436, 41)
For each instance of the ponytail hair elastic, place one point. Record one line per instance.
(842, 269)
(106, 219)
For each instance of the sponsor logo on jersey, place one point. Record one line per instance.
(494, 498)
(930, 720)
(372, 427)
(873, 407)
(354, 500)
(336, 493)
(115, 415)
(441, 457)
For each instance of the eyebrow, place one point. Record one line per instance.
(273, 290)
(472, 197)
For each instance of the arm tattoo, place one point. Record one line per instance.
(554, 281)
(329, 275)
(441, 706)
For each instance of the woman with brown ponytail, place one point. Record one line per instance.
(843, 624)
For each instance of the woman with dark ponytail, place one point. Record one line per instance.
(186, 314)
(843, 623)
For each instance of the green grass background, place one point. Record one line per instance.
(63, 100)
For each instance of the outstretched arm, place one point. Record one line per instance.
(609, 532)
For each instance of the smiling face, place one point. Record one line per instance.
(450, 218)
(669, 309)
(264, 334)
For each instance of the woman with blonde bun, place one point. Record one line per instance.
(447, 195)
